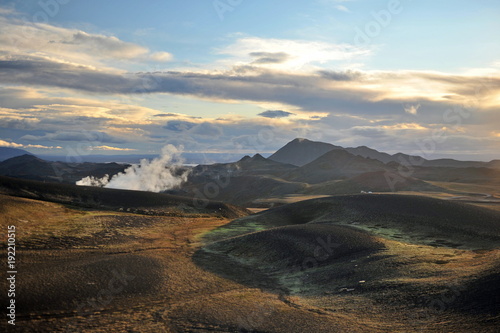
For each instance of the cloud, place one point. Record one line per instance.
(108, 46)
(310, 78)
(110, 148)
(179, 125)
(269, 57)
(204, 128)
(4, 143)
(362, 93)
(411, 109)
(166, 115)
(367, 131)
(275, 114)
(70, 45)
(161, 56)
(342, 8)
(77, 136)
(16, 122)
(289, 54)
(207, 129)
(347, 75)
(405, 126)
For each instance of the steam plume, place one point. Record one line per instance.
(158, 175)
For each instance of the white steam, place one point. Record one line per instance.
(158, 175)
(94, 181)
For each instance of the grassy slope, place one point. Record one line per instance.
(406, 252)
(414, 218)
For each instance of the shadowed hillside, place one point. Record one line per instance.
(413, 218)
(461, 175)
(335, 164)
(300, 151)
(377, 181)
(400, 254)
(124, 200)
(34, 168)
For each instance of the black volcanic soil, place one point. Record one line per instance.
(378, 181)
(414, 219)
(303, 267)
(31, 167)
(428, 260)
(122, 200)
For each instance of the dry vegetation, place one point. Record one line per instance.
(101, 270)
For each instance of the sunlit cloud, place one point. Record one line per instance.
(288, 54)
(405, 126)
(64, 86)
(109, 148)
(71, 46)
(161, 56)
(412, 109)
(4, 143)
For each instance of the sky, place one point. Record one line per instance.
(239, 76)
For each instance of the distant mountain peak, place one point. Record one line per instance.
(8, 152)
(254, 158)
(301, 151)
(26, 158)
(258, 157)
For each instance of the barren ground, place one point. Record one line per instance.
(86, 270)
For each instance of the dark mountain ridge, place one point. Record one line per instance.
(301, 151)
(8, 152)
(335, 164)
(34, 168)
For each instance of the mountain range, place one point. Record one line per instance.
(304, 167)
(301, 167)
(301, 151)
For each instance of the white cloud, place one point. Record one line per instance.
(342, 8)
(66, 45)
(301, 54)
(107, 46)
(303, 76)
(161, 56)
(109, 148)
(4, 143)
(411, 109)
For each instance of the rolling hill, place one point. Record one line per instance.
(377, 181)
(411, 215)
(148, 203)
(32, 167)
(335, 164)
(356, 263)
